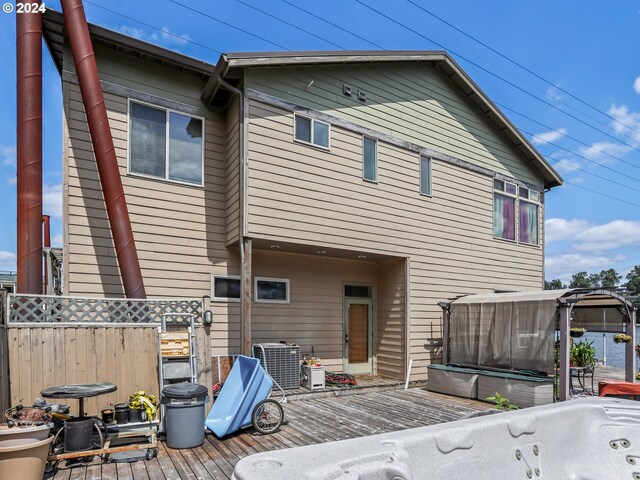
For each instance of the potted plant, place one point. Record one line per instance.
(577, 332)
(622, 338)
(583, 354)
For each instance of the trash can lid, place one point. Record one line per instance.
(184, 390)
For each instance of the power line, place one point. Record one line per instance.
(229, 25)
(514, 62)
(494, 74)
(333, 24)
(164, 31)
(573, 167)
(565, 135)
(602, 194)
(290, 24)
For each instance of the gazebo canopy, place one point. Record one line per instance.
(516, 330)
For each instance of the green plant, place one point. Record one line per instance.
(637, 375)
(502, 402)
(622, 338)
(583, 354)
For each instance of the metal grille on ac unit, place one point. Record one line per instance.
(280, 361)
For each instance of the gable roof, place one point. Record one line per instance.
(231, 65)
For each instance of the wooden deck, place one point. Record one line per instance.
(316, 420)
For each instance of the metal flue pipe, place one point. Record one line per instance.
(29, 151)
(93, 100)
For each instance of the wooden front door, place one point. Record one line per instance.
(358, 335)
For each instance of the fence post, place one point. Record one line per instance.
(5, 397)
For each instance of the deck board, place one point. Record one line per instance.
(315, 419)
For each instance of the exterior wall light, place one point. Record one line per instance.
(207, 317)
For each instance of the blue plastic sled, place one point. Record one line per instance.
(246, 386)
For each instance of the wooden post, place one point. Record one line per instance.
(630, 349)
(246, 294)
(563, 384)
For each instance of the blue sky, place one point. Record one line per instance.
(588, 49)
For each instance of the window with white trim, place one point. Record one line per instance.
(225, 288)
(271, 290)
(425, 175)
(369, 159)
(311, 131)
(165, 144)
(516, 213)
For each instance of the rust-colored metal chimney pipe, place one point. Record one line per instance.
(29, 151)
(93, 100)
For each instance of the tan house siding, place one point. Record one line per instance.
(308, 195)
(412, 102)
(390, 336)
(314, 318)
(232, 179)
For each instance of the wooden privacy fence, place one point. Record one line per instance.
(56, 341)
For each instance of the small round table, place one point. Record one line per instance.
(79, 391)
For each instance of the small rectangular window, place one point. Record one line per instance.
(425, 175)
(225, 289)
(370, 159)
(271, 290)
(312, 131)
(358, 291)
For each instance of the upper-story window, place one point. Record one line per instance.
(312, 131)
(370, 159)
(515, 213)
(425, 175)
(165, 144)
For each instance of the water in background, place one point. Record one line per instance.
(615, 351)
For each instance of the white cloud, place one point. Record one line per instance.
(8, 261)
(626, 122)
(547, 137)
(563, 266)
(8, 155)
(166, 37)
(560, 229)
(636, 85)
(600, 149)
(565, 165)
(56, 241)
(554, 94)
(52, 200)
(612, 235)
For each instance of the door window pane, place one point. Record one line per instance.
(185, 148)
(148, 140)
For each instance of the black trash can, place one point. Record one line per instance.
(184, 414)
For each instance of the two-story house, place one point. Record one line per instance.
(352, 190)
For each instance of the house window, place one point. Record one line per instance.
(370, 159)
(312, 131)
(528, 216)
(225, 289)
(425, 175)
(271, 290)
(511, 204)
(165, 144)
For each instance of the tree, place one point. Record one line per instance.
(609, 278)
(583, 280)
(555, 284)
(633, 281)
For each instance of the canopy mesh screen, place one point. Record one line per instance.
(513, 332)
